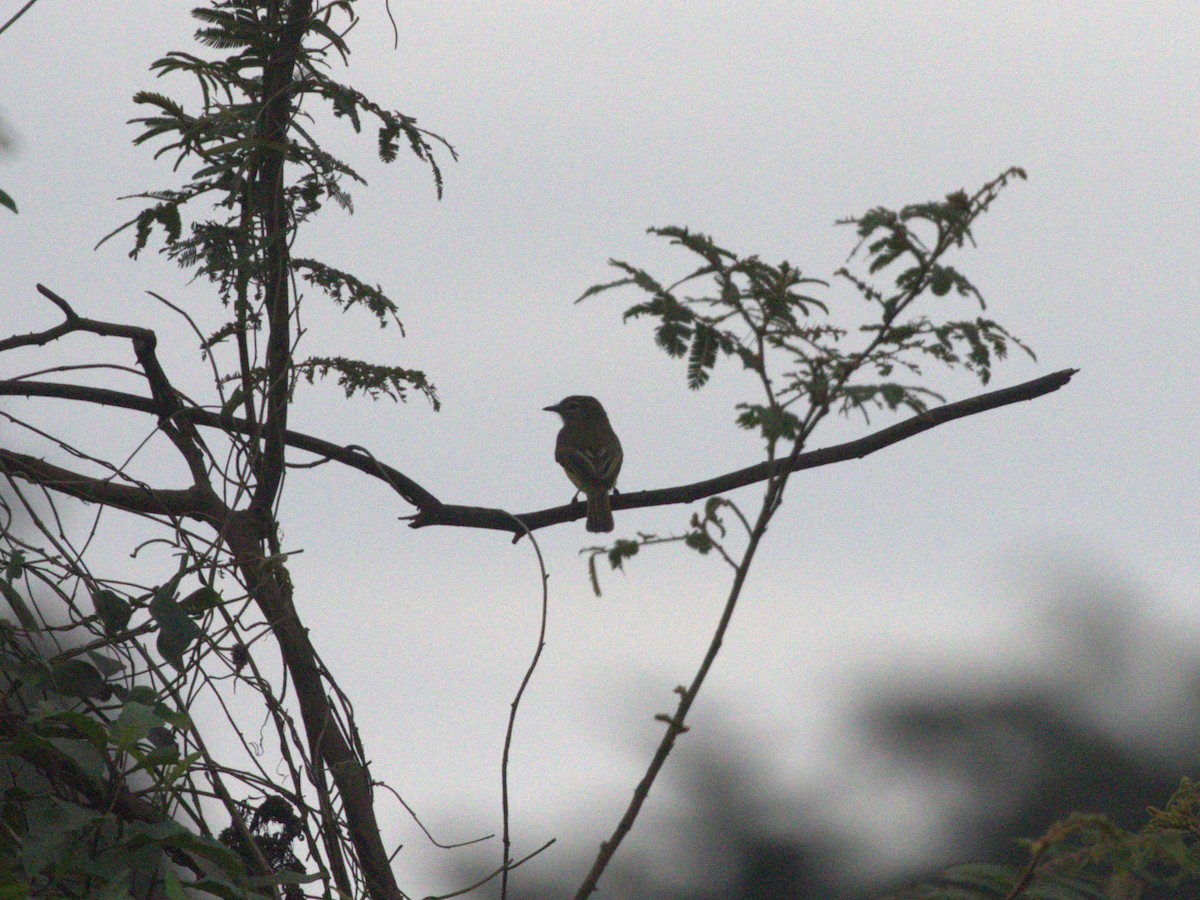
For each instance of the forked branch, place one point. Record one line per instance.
(431, 511)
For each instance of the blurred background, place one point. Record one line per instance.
(942, 647)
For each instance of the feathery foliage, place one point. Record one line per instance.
(210, 224)
(766, 317)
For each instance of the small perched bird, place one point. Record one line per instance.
(589, 451)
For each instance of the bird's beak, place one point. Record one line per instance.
(554, 408)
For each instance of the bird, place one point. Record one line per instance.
(590, 453)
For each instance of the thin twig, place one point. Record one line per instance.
(483, 881)
(675, 723)
(395, 793)
(20, 12)
(512, 715)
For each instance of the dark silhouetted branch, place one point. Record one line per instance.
(402, 484)
(482, 517)
(190, 503)
(432, 512)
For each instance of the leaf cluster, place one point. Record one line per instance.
(767, 318)
(1087, 856)
(92, 764)
(706, 533)
(274, 827)
(223, 222)
(355, 376)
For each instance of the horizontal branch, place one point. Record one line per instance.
(432, 512)
(193, 502)
(167, 402)
(499, 520)
(74, 322)
(402, 484)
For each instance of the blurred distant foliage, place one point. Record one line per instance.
(1087, 856)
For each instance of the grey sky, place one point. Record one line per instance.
(760, 123)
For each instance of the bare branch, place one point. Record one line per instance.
(434, 512)
(73, 323)
(347, 456)
(181, 432)
(278, 95)
(506, 868)
(499, 520)
(512, 717)
(271, 589)
(196, 502)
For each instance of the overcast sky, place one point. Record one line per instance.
(759, 123)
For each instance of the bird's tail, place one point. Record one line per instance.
(599, 512)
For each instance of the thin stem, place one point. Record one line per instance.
(512, 715)
(675, 723)
(505, 869)
(20, 12)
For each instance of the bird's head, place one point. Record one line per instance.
(578, 408)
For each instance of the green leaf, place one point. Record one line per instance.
(15, 565)
(773, 422)
(893, 394)
(201, 601)
(319, 27)
(71, 757)
(346, 290)
(159, 756)
(599, 288)
(106, 664)
(181, 767)
(84, 755)
(703, 355)
(114, 612)
(173, 886)
(939, 282)
(133, 725)
(174, 835)
(19, 606)
(83, 725)
(622, 549)
(76, 678)
(283, 878)
(143, 693)
(367, 378)
(225, 889)
(52, 836)
(176, 631)
(672, 336)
